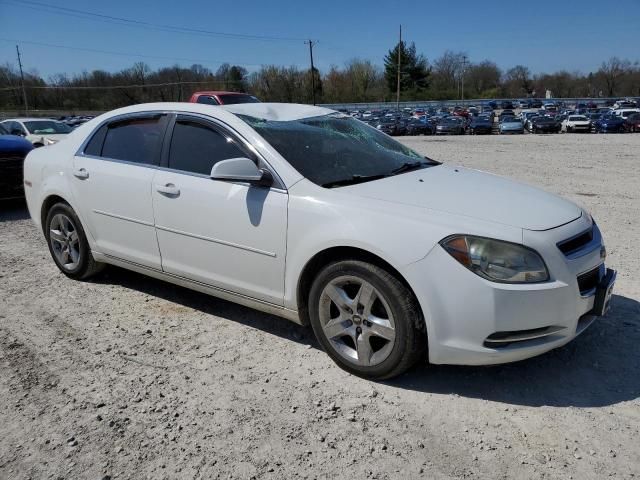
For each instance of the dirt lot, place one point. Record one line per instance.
(128, 377)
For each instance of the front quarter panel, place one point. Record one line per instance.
(401, 235)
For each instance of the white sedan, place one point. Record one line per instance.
(314, 216)
(39, 131)
(576, 123)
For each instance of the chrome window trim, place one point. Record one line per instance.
(278, 186)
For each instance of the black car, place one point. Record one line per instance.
(535, 103)
(419, 127)
(480, 126)
(450, 126)
(13, 150)
(544, 125)
(392, 127)
(506, 113)
(507, 105)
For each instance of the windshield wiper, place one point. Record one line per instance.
(353, 180)
(408, 166)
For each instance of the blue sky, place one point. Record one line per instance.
(545, 35)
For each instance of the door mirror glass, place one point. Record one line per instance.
(240, 170)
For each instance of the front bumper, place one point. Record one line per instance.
(466, 314)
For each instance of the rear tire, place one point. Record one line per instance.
(366, 319)
(68, 243)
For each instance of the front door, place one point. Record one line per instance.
(229, 235)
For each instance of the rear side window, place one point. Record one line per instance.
(207, 100)
(136, 140)
(197, 147)
(94, 147)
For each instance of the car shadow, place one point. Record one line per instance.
(13, 210)
(598, 368)
(202, 302)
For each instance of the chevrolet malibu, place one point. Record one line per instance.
(314, 216)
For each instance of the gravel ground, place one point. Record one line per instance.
(128, 377)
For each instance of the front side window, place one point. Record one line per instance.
(335, 149)
(197, 147)
(136, 140)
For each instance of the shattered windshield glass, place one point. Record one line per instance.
(337, 150)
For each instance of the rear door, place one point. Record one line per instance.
(112, 185)
(230, 235)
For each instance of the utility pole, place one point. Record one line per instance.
(24, 92)
(399, 64)
(313, 77)
(464, 64)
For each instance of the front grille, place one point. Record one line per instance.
(588, 281)
(11, 175)
(574, 244)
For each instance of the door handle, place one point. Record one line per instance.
(81, 173)
(168, 189)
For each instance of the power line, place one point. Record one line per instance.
(132, 55)
(143, 24)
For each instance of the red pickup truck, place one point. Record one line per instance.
(222, 98)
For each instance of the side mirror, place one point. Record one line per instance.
(241, 170)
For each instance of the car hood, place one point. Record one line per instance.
(14, 143)
(472, 193)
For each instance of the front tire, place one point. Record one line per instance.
(366, 319)
(68, 243)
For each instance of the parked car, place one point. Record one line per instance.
(13, 150)
(576, 123)
(480, 126)
(535, 103)
(418, 126)
(510, 125)
(316, 217)
(505, 114)
(625, 112)
(632, 123)
(450, 126)
(40, 132)
(609, 124)
(392, 127)
(507, 105)
(222, 98)
(544, 125)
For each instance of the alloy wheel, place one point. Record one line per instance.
(357, 321)
(65, 242)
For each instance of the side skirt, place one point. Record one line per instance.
(217, 292)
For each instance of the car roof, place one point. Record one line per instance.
(266, 111)
(277, 111)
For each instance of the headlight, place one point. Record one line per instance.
(496, 260)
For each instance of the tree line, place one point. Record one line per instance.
(358, 80)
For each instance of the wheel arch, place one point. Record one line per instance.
(334, 254)
(46, 205)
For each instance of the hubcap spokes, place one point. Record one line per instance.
(357, 320)
(64, 241)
